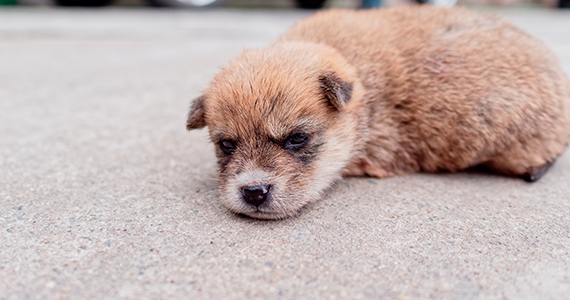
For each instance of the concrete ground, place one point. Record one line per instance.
(104, 195)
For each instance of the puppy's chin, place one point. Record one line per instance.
(268, 215)
(279, 206)
(268, 211)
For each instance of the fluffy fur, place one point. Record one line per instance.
(382, 93)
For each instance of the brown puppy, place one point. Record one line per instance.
(381, 93)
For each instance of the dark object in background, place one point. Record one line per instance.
(89, 3)
(8, 2)
(184, 3)
(371, 3)
(564, 4)
(310, 4)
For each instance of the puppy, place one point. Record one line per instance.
(381, 93)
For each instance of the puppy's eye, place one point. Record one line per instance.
(297, 141)
(228, 147)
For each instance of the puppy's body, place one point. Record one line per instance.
(382, 93)
(448, 89)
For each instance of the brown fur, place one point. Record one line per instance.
(382, 93)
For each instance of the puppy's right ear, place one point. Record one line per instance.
(337, 91)
(196, 115)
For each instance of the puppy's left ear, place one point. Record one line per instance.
(196, 115)
(336, 90)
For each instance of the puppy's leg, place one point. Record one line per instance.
(527, 163)
(364, 167)
(536, 173)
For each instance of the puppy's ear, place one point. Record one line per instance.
(336, 90)
(196, 115)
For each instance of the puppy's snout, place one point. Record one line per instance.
(255, 194)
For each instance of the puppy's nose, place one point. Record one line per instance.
(255, 194)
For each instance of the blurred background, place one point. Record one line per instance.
(306, 4)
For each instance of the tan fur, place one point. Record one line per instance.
(430, 89)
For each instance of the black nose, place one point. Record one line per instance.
(255, 194)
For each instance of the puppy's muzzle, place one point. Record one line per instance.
(255, 194)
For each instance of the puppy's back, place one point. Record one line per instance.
(464, 88)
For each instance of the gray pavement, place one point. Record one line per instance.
(104, 195)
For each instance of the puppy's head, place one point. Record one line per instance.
(282, 123)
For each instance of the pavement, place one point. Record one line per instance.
(104, 195)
